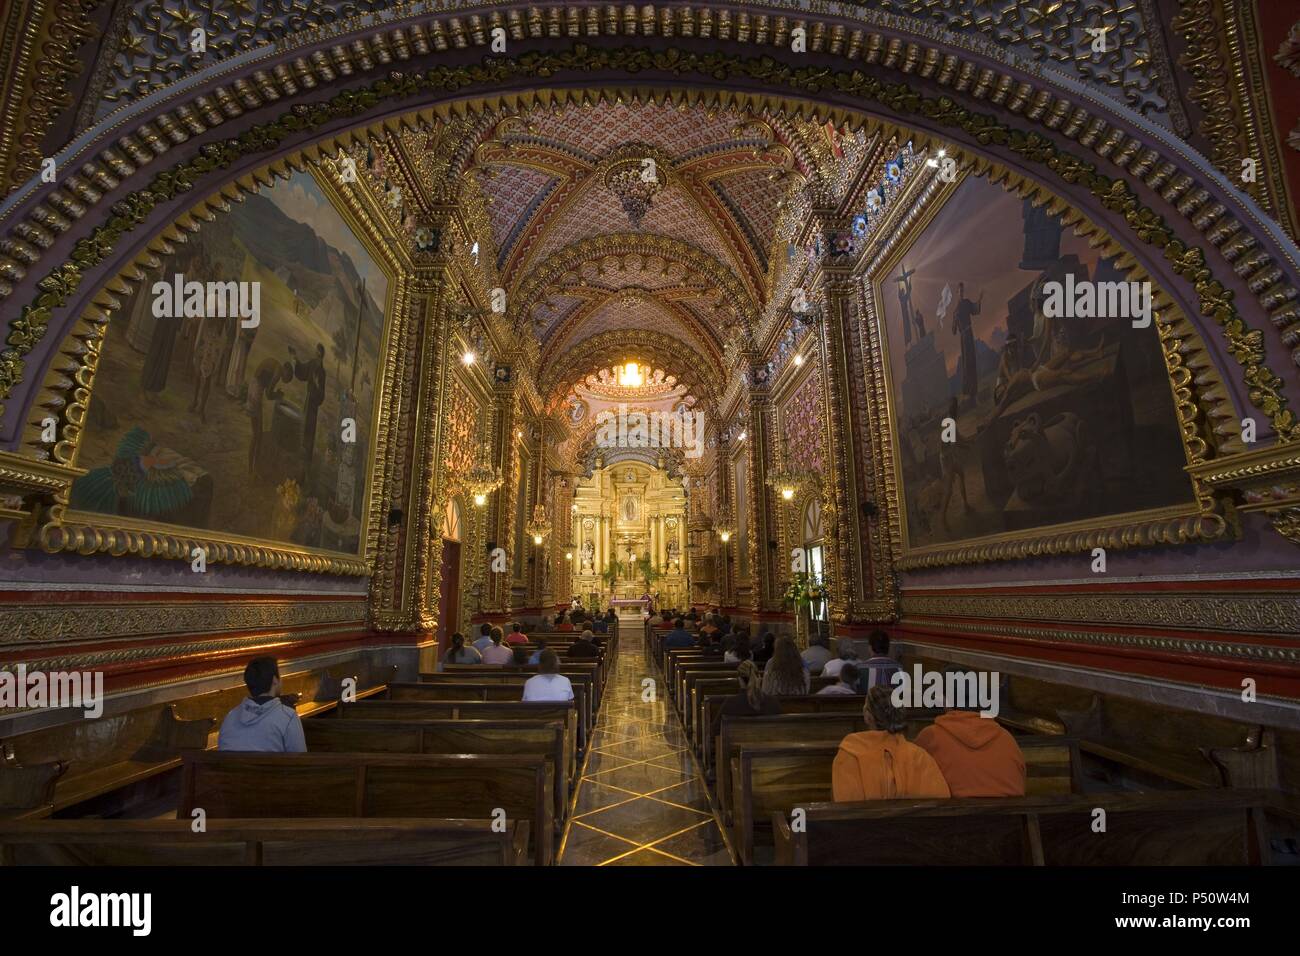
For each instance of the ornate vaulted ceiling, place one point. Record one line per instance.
(585, 268)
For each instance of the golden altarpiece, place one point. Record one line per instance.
(623, 512)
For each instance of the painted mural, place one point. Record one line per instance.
(1054, 420)
(209, 420)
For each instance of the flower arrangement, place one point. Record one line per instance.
(804, 590)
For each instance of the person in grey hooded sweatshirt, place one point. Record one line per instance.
(262, 723)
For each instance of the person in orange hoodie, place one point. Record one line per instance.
(881, 764)
(978, 757)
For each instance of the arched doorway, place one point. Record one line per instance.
(450, 577)
(814, 553)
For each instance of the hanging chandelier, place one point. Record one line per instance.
(724, 527)
(482, 480)
(787, 480)
(635, 180)
(539, 526)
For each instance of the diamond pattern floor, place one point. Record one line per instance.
(640, 800)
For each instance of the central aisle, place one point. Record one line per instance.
(640, 800)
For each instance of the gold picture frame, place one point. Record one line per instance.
(64, 529)
(1201, 518)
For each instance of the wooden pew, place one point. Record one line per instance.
(1137, 743)
(545, 738)
(264, 842)
(585, 685)
(775, 777)
(685, 676)
(460, 786)
(406, 710)
(804, 704)
(703, 688)
(483, 672)
(142, 744)
(738, 732)
(493, 692)
(1154, 828)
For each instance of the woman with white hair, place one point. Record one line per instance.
(848, 652)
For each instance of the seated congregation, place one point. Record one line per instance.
(811, 761)
(473, 764)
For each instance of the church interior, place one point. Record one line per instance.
(931, 338)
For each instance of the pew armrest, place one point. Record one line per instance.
(178, 733)
(1252, 766)
(519, 845)
(29, 788)
(791, 848)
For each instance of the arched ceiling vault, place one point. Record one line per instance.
(656, 349)
(151, 162)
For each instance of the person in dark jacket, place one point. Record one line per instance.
(678, 636)
(584, 648)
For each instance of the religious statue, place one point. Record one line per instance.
(588, 556)
(631, 509)
(672, 555)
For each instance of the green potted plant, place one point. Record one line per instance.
(612, 572)
(647, 571)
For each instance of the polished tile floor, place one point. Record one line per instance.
(640, 800)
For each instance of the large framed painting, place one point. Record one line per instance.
(221, 427)
(1054, 424)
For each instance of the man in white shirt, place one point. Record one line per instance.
(548, 683)
(484, 638)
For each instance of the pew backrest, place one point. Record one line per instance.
(1153, 828)
(471, 710)
(448, 737)
(264, 842)
(228, 785)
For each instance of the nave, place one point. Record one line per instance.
(945, 326)
(641, 800)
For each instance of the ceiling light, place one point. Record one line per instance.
(468, 358)
(741, 436)
(798, 360)
(630, 375)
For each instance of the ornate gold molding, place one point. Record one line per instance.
(1229, 611)
(42, 62)
(1265, 387)
(69, 385)
(1235, 651)
(171, 652)
(1266, 480)
(1208, 422)
(22, 623)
